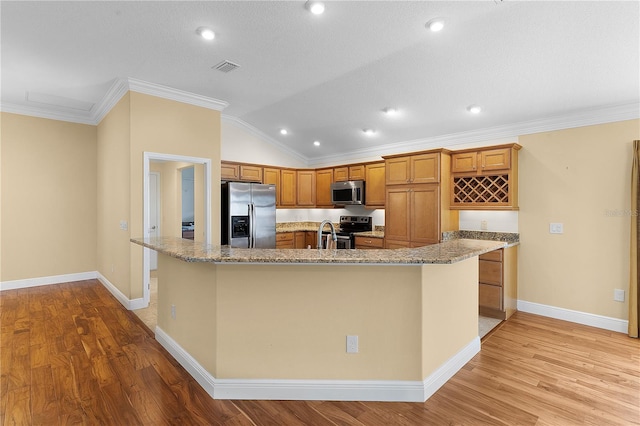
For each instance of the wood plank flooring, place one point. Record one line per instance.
(71, 354)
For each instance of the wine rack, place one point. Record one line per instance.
(490, 190)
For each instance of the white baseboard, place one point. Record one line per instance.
(54, 279)
(450, 368)
(130, 304)
(584, 318)
(323, 390)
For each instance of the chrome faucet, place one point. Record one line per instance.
(333, 233)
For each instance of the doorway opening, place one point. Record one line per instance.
(204, 229)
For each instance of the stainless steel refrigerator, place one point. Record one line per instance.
(248, 215)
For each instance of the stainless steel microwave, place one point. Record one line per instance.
(350, 192)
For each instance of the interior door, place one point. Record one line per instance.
(154, 214)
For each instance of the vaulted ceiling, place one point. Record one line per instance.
(529, 65)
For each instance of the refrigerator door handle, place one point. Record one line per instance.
(252, 226)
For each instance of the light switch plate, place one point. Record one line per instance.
(352, 344)
(556, 228)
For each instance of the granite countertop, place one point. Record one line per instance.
(447, 252)
(284, 227)
(370, 234)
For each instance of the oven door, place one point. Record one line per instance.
(344, 242)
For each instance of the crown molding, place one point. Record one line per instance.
(117, 90)
(175, 94)
(260, 135)
(586, 117)
(58, 114)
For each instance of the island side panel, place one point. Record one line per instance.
(291, 321)
(450, 311)
(191, 288)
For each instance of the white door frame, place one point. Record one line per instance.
(147, 158)
(157, 208)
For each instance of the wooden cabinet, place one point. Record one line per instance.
(485, 179)
(288, 188)
(229, 171)
(324, 179)
(375, 185)
(417, 168)
(306, 188)
(416, 214)
(240, 172)
(412, 215)
(250, 173)
(285, 240)
(497, 281)
(311, 239)
(350, 172)
(300, 239)
(272, 177)
(369, 243)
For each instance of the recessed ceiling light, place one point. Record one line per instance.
(316, 143)
(315, 7)
(474, 109)
(206, 33)
(283, 131)
(391, 111)
(435, 24)
(369, 132)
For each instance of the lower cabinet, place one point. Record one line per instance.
(285, 240)
(369, 243)
(300, 239)
(497, 292)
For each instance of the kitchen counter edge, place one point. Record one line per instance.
(443, 253)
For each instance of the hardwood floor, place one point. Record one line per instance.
(71, 354)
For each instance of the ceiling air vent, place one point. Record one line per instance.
(226, 66)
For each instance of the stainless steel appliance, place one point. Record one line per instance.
(349, 225)
(347, 193)
(248, 215)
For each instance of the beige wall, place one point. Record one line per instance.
(168, 127)
(576, 176)
(48, 197)
(113, 195)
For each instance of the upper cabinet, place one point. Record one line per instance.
(288, 188)
(324, 179)
(240, 172)
(375, 186)
(271, 176)
(418, 168)
(350, 172)
(485, 178)
(306, 188)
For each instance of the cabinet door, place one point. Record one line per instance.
(272, 177)
(425, 214)
(375, 186)
(299, 239)
(397, 216)
(464, 162)
(229, 171)
(490, 296)
(306, 188)
(397, 170)
(425, 168)
(490, 272)
(356, 172)
(311, 239)
(341, 174)
(390, 244)
(284, 240)
(324, 179)
(495, 159)
(288, 188)
(250, 173)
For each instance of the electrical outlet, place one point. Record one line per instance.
(556, 228)
(173, 311)
(124, 225)
(483, 225)
(618, 295)
(352, 344)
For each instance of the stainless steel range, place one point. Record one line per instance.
(349, 225)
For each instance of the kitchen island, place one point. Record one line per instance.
(273, 324)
